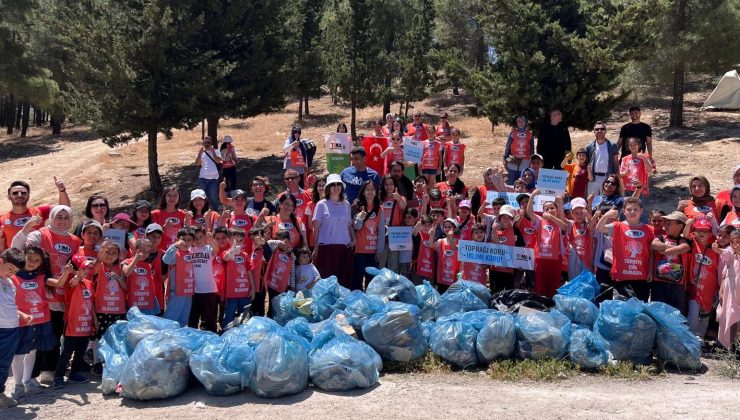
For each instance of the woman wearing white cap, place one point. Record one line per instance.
(199, 212)
(334, 232)
(228, 163)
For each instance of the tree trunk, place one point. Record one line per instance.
(387, 99)
(10, 114)
(155, 181)
(305, 105)
(679, 71)
(202, 130)
(300, 108)
(353, 119)
(18, 115)
(213, 130)
(455, 90)
(56, 124)
(406, 111)
(24, 120)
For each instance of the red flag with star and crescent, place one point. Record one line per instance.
(374, 147)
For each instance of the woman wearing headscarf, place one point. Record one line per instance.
(701, 202)
(724, 201)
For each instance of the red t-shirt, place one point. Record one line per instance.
(11, 223)
(177, 222)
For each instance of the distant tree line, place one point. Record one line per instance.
(139, 68)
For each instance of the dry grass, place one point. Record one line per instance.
(430, 363)
(627, 370)
(728, 361)
(532, 370)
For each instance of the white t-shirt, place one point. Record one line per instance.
(8, 308)
(602, 158)
(208, 169)
(202, 257)
(304, 275)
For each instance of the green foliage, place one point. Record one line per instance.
(532, 370)
(565, 54)
(413, 60)
(459, 39)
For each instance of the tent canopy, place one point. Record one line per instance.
(727, 93)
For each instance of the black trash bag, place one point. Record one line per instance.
(511, 300)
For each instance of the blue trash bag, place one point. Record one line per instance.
(223, 366)
(142, 326)
(159, 367)
(427, 300)
(338, 362)
(579, 310)
(675, 344)
(463, 296)
(390, 285)
(477, 319)
(396, 333)
(281, 366)
(497, 338)
(255, 330)
(454, 341)
(588, 349)
(542, 334)
(630, 332)
(327, 297)
(112, 349)
(583, 285)
(426, 329)
(287, 306)
(300, 327)
(359, 307)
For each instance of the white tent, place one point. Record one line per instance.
(727, 93)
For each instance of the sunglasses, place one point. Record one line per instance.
(98, 205)
(611, 183)
(291, 178)
(599, 129)
(16, 193)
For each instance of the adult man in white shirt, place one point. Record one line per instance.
(604, 158)
(208, 158)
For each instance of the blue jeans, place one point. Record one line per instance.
(8, 342)
(232, 308)
(210, 186)
(178, 309)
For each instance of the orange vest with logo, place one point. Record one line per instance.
(520, 144)
(177, 222)
(30, 297)
(141, 286)
(631, 251)
(447, 264)
(548, 244)
(237, 276)
(184, 274)
(60, 248)
(80, 310)
(109, 297)
(367, 236)
(279, 270)
(425, 260)
(430, 155)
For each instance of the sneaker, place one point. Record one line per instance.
(36, 384)
(6, 401)
(18, 393)
(46, 377)
(98, 368)
(32, 387)
(77, 378)
(58, 383)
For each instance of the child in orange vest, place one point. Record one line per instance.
(239, 288)
(260, 254)
(471, 271)
(446, 249)
(548, 246)
(181, 281)
(11, 260)
(110, 293)
(80, 323)
(703, 280)
(139, 279)
(280, 272)
(504, 232)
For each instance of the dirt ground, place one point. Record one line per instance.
(709, 146)
(408, 396)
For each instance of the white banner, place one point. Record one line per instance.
(498, 255)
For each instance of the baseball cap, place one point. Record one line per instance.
(123, 216)
(140, 204)
(81, 262)
(466, 203)
(92, 223)
(435, 194)
(507, 210)
(197, 194)
(536, 156)
(703, 224)
(451, 220)
(675, 215)
(577, 202)
(154, 227)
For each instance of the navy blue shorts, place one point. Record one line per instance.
(429, 171)
(36, 337)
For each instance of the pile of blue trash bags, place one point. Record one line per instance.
(337, 339)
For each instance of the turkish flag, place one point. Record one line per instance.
(374, 147)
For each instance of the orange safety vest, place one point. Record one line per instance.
(60, 249)
(279, 270)
(80, 310)
(631, 251)
(237, 277)
(184, 274)
(447, 263)
(141, 286)
(109, 297)
(30, 297)
(520, 144)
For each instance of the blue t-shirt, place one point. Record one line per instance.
(615, 200)
(353, 180)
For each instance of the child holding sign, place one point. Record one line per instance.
(504, 232)
(548, 246)
(471, 271)
(447, 263)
